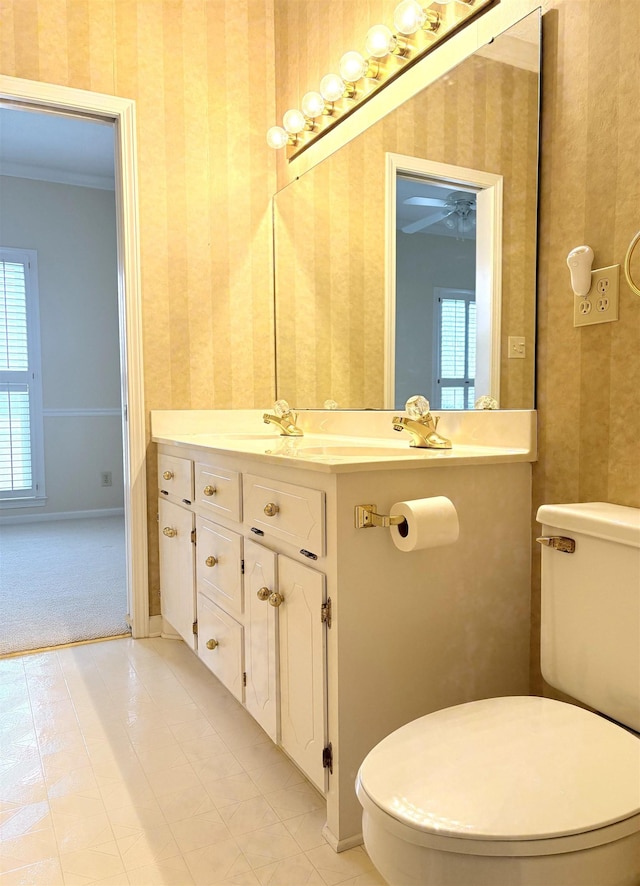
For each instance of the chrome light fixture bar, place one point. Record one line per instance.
(418, 28)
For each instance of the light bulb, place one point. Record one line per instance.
(353, 67)
(409, 17)
(332, 88)
(312, 105)
(380, 41)
(277, 137)
(294, 121)
(450, 223)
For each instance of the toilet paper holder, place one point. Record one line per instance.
(367, 516)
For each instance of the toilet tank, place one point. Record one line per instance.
(590, 620)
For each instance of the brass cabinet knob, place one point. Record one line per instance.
(211, 644)
(263, 594)
(210, 490)
(271, 509)
(168, 475)
(211, 561)
(169, 532)
(276, 599)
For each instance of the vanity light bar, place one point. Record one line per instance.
(417, 30)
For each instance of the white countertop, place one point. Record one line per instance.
(242, 432)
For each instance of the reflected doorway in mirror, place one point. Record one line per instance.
(427, 202)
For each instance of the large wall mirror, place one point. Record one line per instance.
(370, 272)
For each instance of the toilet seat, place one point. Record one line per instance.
(467, 779)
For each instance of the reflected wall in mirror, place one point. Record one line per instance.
(329, 229)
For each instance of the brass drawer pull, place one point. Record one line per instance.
(276, 599)
(211, 561)
(210, 490)
(169, 532)
(271, 509)
(263, 594)
(168, 475)
(211, 644)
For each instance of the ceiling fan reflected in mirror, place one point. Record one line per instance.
(457, 211)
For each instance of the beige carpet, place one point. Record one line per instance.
(61, 581)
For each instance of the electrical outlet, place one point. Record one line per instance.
(600, 305)
(105, 478)
(516, 347)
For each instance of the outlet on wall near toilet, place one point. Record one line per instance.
(600, 305)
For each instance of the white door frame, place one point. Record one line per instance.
(488, 265)
(121, 112)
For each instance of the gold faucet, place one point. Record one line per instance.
(421, 424)
(284, 418)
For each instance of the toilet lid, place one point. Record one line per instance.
(519, 768)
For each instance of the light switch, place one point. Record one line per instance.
(517, 348)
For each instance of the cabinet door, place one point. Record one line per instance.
(261, 638)
(302, 667)
(177, 583)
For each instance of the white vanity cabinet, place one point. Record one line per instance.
(328, 634)
(252, 613)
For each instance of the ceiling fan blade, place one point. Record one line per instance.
(425, 222)
(424, 201)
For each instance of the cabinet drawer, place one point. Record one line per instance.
(223, 654)
(297, 513)
(218, 491)
(175, 477)
(219, 565)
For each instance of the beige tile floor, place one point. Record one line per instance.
(126, 762)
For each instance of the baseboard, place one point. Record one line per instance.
(63, 515)
(155, 626)
(341, 845)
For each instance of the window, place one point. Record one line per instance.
(455, 349)
(21, 448)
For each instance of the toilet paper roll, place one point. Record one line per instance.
(429, 523)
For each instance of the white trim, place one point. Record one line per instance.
(488, 263)
(63, 515)
(155, 626)
(81, 412)
(120, 112)
(29, 260)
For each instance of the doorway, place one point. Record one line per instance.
(120, 115)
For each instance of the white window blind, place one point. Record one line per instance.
(20, 392)
(456, 350)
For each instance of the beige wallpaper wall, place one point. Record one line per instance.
(201, 72)
(588, 380)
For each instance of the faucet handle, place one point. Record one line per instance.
(281, 408)
(417, 407)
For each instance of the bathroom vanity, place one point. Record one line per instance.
(328, 634)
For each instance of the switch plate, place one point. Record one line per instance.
(105, 478)
(600, 305)
(516, 347)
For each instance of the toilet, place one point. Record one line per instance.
(529, 791)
